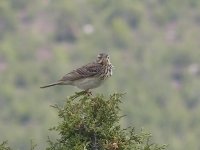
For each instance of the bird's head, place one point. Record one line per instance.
(103, 59)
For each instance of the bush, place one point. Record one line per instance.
(92, 123)
(3, 146)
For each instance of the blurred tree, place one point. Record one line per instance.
(3, 146)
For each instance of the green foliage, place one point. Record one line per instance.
(3, 146)
(153, 44)
(92, 123)
(33, 146)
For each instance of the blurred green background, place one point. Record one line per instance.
(153, 44)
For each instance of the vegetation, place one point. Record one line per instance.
(92, 122)
(154, 46)
(3, 146)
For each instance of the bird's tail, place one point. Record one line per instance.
(52, 84)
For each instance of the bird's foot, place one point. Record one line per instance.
(89, 93)
(86, 92)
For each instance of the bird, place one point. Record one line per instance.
(89, 76)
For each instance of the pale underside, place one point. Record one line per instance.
(86, 83)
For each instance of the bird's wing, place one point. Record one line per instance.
(88, 70)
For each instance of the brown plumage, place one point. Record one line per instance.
(88, 76)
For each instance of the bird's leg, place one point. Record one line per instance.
(81, 93)
(88, 92)
(85, 92)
